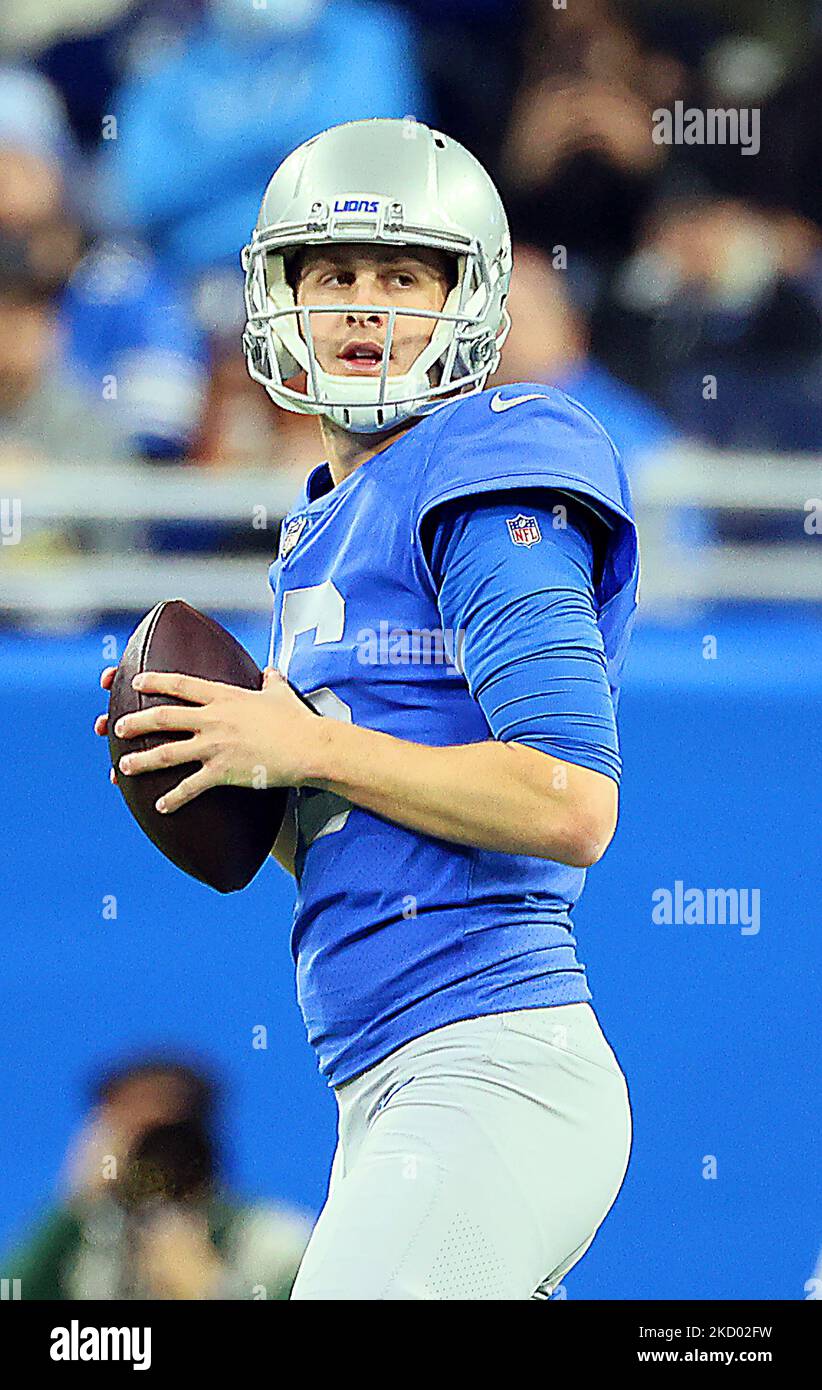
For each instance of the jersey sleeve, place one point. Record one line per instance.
(525, 436)
(522, 620)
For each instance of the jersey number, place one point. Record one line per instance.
(319, 609)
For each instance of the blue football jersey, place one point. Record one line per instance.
(395, 932)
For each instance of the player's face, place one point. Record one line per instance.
(351, 343)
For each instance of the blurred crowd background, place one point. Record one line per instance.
(136, 138)
(142, 1208)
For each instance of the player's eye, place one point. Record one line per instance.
(404, 278)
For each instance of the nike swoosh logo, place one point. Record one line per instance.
(498, 404)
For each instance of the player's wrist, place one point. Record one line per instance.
(319, 762)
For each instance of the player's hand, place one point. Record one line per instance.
(101, 722)
(242, 738)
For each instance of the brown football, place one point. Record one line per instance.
(224, 836)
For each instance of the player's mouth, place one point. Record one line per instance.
(362, 358)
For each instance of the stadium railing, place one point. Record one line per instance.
(114, 569)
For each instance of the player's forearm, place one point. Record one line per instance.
(498, 796)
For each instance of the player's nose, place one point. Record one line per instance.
(365, 290)
(364, 318)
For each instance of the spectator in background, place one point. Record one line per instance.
(129, 324)
(471, 53)
(786, 173)
(45, 416)
(32, 116)
(549, 341)
(27, 28)
(144, 1214)
(32, 210)
(716, 316)
(579, 166)
(243, 428)
(200, 131)
(90, 45)
(128, 334)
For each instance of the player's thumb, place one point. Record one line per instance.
(271, 676)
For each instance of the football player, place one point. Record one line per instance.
(454, 592)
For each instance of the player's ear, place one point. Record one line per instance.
(293, 268)
(449, 274)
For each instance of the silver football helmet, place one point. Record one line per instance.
(392, 182)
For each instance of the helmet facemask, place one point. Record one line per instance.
(464, 348)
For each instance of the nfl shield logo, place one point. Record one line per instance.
(291, 535)
(524, 530)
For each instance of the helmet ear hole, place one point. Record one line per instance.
(292, 267)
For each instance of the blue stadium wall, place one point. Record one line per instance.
(716, 1028)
